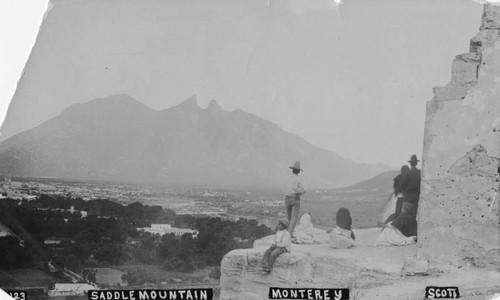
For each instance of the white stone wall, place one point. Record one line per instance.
(458, 218)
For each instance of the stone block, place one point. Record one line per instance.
(464, 68)
(450, 92)
(476, 43)
(471, 57)
(491, 17)
(484, 39)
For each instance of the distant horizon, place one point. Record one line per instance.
(180, 185)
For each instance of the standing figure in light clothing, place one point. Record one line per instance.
(293, 189)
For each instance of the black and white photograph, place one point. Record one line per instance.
(249, 149)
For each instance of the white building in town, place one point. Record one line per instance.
(163, 229)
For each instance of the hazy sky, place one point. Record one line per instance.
(19, 23)
(353, 78)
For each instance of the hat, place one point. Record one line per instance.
(296, 166)
(413, 159)
(284, 222)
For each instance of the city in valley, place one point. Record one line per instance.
(66, 237)
(263, 205)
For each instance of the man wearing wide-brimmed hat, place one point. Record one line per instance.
(410, 183)
(293, 189)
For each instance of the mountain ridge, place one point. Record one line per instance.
(381, 181)
(120, 138)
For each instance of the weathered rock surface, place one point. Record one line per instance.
(369, 272)
(315, 265)
(459, 212)
(491, 18)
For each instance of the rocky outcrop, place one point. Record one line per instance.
(386, 272)
(459, 211)
(316, 265)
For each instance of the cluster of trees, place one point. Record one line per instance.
(13, 252)
(108, 235)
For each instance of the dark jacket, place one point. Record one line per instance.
(397, 184)
(410, 182)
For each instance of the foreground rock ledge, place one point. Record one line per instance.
(370, 272)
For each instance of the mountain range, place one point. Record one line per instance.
(383, 181)
(118, 138)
